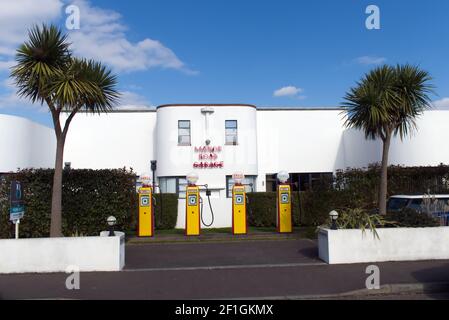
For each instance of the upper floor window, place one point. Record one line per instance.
(231, 132)
(184, 133)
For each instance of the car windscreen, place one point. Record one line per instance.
(397, 204)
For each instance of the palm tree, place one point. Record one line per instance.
(384, 103)
(46, 72)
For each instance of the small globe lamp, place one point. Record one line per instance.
(333, 216)
(238, 178)
(283, 176)
(145, 179)
(111, 220)
(192, 178)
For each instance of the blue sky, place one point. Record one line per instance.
(267, 53)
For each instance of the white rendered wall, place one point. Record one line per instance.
(317, 141)
(299, 141)
(393, 244)
(111, 140)
(57, 254)
(175, 160)
(426, 147)
(25, 144)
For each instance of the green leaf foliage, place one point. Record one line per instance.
(351, 188)
(387, 100)
(89, 197)
(409, 218)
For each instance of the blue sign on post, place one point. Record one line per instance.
(17, 208)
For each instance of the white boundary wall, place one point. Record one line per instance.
(56, 254)
(393, 244)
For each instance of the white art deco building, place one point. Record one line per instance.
(216, 141)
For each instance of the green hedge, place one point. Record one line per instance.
(89, 197)
(351, 188)
(309, 208)
(165, 211)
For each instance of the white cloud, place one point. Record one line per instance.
(441, 104)
(370, 60)
(17, 16)
(289, 91)
(133, 101)
(9, 98)
(6, 65)
(102, 37)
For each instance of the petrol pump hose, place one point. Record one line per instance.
(208, 193)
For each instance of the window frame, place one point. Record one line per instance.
(184, 135)
(236, 135)
(229, 187)
(177, 185)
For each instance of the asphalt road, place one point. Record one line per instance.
(232, 270)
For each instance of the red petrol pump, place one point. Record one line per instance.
(146, 212)
(284, 204)
(239, 223)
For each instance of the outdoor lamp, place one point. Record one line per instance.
(334, 216)
(192, 178)
(153, 165)
(153, 170)
(283, 176)
(238, 177)
(111, 223)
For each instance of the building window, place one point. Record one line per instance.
(270, 182)
(249, 182)
(231, 132)
(173, 185)
(303, 181)
(184, 133)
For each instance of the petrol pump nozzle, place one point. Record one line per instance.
(208, 192)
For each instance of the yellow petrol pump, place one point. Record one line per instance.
(193, 225)
(284, 204)
(239, 225)
(146, 214)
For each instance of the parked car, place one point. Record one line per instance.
(435, 205)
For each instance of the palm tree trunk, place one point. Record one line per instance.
(56, 200)
(384, 175)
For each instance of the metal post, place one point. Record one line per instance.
(17, 228)
(153, 169)
(111, 231)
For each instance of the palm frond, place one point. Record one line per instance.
(388, 98)
(39, 60)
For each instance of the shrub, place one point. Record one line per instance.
(360, 219)
(165, 211)
(261, 209)
(410, 218)
(89, 197)
(352, 188)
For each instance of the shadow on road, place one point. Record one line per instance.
(439, 290)
(309, 252)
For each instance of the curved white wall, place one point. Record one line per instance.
(426, 147)
(269, 141)
(174, 160)
(111, 140)
(25, 144)
(299, 141)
